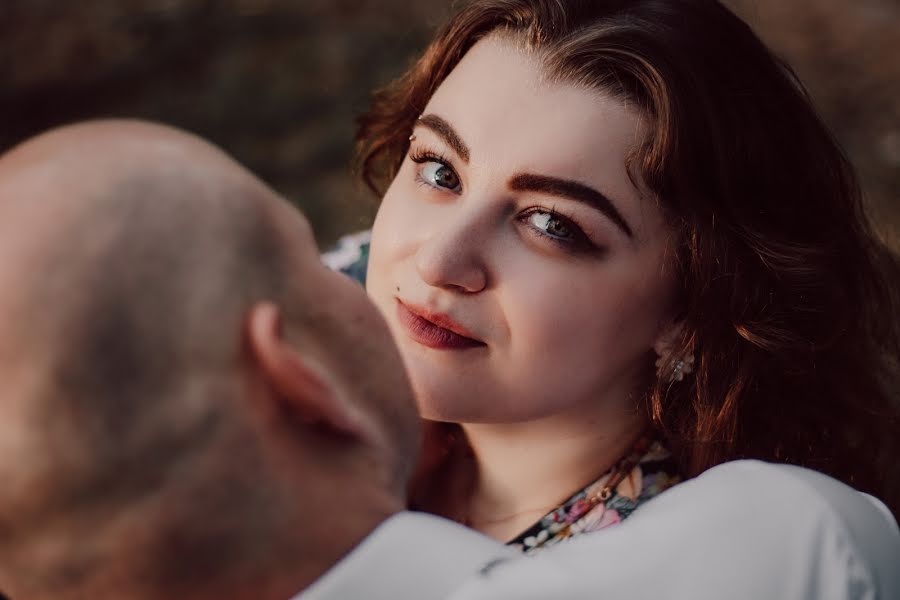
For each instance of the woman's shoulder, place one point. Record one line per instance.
(741, 481)
(771, 491)
(796, 516)
(744, 529)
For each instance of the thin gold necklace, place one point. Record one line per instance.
(617, 473)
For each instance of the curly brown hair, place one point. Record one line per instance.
(790, 302)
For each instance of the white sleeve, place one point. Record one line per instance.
(411, 556)
(346, 251)
(745, 530)
(892, 523)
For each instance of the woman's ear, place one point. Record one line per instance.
(666, 337)
(300, 384)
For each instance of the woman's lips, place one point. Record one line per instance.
(420, 325)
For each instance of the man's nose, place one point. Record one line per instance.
(453, 256)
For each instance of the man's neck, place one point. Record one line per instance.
(285, 570)
(271, 559)
(524, 470)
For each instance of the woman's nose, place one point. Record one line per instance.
(452, 258)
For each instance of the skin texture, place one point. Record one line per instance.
(550, 400)
(182, 379)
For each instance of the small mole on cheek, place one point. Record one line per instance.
(398, 288)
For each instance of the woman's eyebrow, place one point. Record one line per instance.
(447, 133)
(527, 182)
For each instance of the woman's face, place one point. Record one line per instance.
(522, 273)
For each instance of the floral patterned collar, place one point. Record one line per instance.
(650, 471)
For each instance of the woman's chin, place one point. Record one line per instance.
(446, 410)
(431, 410)
(457, 410)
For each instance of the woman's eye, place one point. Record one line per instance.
(551, 225)
(440, 176)
(559, 230)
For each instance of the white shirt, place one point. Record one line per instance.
(744, 530)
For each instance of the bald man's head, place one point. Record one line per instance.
(96, 210)
(130, 255)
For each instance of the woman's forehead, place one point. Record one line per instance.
(502, 106)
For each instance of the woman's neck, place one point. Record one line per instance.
(524, 470)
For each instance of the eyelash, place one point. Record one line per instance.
(579, 244)
(422, 156)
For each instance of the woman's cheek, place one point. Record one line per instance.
(551, 311)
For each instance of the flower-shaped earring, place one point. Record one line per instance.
(669, 365)
(680, 368)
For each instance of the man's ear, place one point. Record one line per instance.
(301, 384)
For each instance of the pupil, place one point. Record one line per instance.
(557, 228)
(444, 177)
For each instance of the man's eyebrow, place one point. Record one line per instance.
(446, 131)
(564, 188)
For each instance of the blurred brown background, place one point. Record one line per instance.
(277, 83)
